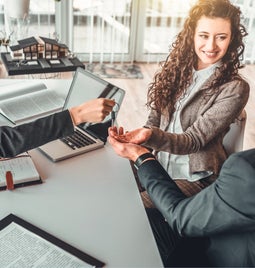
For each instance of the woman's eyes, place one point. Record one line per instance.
(203, 36)
(219, 37)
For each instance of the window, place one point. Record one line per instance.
(118, 31)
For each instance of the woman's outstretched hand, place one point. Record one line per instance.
(122, 147)
(137, 136)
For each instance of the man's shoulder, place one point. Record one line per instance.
(247, 156)
(239, 168)
(236, 183)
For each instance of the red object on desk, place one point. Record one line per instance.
(9, 180)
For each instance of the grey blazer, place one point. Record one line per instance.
(205, 121)
(224, 211)
(15, 140)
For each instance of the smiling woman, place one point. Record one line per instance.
(211, 40)
(196, 95)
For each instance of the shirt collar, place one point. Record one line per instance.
(207, 71)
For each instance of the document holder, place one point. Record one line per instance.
(49, 239)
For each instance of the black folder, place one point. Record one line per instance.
(51, 239)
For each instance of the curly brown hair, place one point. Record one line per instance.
(175, 75)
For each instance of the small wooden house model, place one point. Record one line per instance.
(33, 49)
(29, 46)
(53, 49)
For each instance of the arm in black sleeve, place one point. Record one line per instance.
(227, 205)
(18, 139)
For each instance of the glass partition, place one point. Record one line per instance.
(102, 28)
(40, 20)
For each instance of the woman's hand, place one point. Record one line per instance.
(136, 136)
(124, 149)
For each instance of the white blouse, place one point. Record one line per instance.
(178, 165)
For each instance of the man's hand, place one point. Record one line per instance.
(91, 111)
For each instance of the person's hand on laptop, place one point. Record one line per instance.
(91, 111)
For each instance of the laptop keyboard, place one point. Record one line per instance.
(77, 140)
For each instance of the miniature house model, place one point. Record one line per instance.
(33, 49)
(53, 49)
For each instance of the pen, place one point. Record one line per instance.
(9, 180)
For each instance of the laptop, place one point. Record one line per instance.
(88, 136)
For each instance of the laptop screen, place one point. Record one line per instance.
(86, 86)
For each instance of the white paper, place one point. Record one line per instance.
(31, 106)
(22, 169)
(10, 88)
(22, 248)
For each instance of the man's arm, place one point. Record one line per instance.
(15, 140)
(228, 205)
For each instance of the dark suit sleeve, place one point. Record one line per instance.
(228, 205)
(15, 140)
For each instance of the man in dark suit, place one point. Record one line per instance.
(15, 140)
(216, 227)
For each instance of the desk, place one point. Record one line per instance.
(90, 201)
